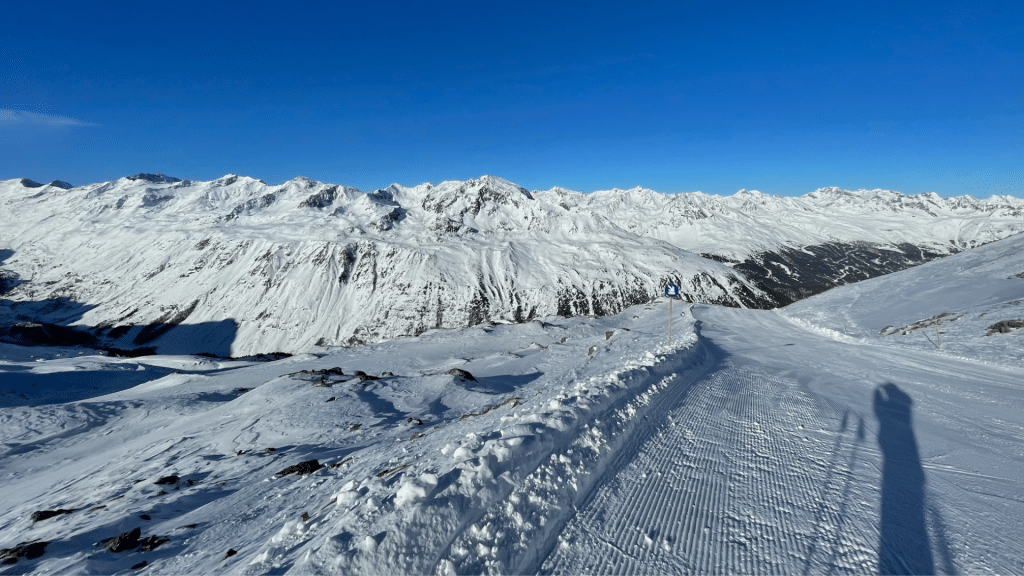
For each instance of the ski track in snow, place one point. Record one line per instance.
(687, 500)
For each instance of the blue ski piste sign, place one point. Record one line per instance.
(672, 291)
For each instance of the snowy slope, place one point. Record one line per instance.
(580, 446)
(251, 268)
(967, 305)
(234, 266)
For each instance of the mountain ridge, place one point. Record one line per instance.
(308, 263)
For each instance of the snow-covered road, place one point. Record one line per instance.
(795, 453)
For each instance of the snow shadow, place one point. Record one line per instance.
(19, 387)
(202, 338)
(903, 546)
(8, 279)
(48, 322)
(505, 384)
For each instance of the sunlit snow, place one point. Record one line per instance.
(791, 441)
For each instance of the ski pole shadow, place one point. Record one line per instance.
(903, 546)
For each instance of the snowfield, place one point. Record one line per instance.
(757, 442)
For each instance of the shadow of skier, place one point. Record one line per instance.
(903, 546)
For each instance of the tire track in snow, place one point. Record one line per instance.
(730, 482)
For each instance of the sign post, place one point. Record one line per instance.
(671, 291)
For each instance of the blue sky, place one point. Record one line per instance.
(681, 96)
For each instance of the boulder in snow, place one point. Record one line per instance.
(302, 468)
(460, 373)
(126, 541)
(40, 515)
(28, 550)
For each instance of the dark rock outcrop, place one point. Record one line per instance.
(172, 479)
(336, 371)
(460, 373)
(40, 515)
(122, 542)
(1004, 327)
(152, 543)
(302, 468)
(27, 550)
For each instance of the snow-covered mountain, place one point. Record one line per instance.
(234, 266)
(968, 305)
(759, 441)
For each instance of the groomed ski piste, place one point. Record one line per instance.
(757, 442)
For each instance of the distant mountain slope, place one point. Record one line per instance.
(237, 265)
(966, 305)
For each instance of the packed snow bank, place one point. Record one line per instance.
(952, 306)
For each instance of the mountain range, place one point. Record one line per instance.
(235, 267)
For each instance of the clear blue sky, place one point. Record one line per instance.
(783, 97)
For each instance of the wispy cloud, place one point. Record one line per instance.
(9, 117)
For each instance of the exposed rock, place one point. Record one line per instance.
(1004, 327)
(460, 373)
(391, 471)
(145, 516)
(27, 550)
(172, 479)
(140, 565)
(415, 421)
(302, 468)
(269, 450)
(386, 373)
(61, 184)
(366, 378)
(126, 541)
(321, 383)
(336, 371)
(231, 552)
(331, 399)
(152, 543)
(40, 515)
(305, 517)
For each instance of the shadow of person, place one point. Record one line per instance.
(903, 546)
